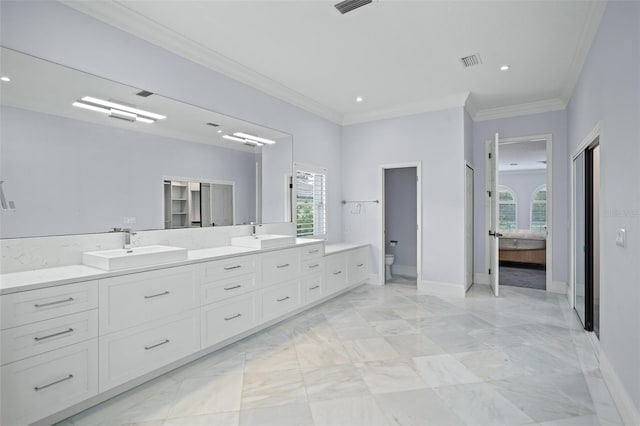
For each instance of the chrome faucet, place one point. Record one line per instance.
(127, 237)
(253, 229)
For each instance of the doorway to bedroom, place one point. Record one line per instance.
(522, 209)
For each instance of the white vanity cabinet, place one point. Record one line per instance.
(223, 320)
(49, 351)
(335, 272)
(357, 265)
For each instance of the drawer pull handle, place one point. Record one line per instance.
(146, 348)
(164, 293)
(60, 333)
(233, 317)
(232, 288)
(360, 265)
(314, 287)
(313, 251)
(64, 379)
(283, 299)
(42, 305)
(314, 266)
(229, 268)
(286, 265)
(337, 273)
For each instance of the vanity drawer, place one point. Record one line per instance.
(358, 265)
(280, 299)
(221, 269)
(312, 287)
(129, 300)
(33, 339)
(280, 265)
(38, 305)
(312, 251)
(130, 353)
(216, 291)
(42, 385)
(223, 320)
(312, 266)
(335, 269)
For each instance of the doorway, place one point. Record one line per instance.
(400, 237)
(586, 235)
(518, 209)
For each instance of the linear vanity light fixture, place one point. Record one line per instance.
(252, 138)
(242, 140)
(116, 110)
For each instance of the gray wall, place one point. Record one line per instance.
(608, 90)
(69, 176)
(436, 140)
(554, 123)
(53, 31)
(523, 183)
(400, 217)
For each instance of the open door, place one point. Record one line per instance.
(494, 226)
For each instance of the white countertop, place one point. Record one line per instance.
(48, 277)
(339, 247)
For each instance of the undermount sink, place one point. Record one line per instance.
(135, 257)
(263, 241)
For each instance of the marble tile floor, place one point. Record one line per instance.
(388, 356)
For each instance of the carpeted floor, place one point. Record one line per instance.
(519, 276)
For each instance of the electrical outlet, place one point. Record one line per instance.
(621, 235)
(129, 220)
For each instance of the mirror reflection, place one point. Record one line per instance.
(82, 154)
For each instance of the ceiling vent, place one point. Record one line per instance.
(144, 93)
(349, 5)
(213, 124)
(471, 60)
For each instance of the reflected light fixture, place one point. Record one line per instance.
(116, 110)
(505, 67)
(5, 79)
(242, 140)
(252, 138)
(359, 99)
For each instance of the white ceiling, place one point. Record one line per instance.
(520, 156)
(401, 56)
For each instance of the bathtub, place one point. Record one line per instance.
(523, 246)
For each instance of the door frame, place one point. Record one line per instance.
(470, 204)
(381, 235)
(487, 205)
(594, 136)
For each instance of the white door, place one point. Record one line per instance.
(494, 228)
(469, 226)
(222, 204)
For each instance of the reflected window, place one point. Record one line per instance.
(310, 201)
(507, 209)
(539, 209)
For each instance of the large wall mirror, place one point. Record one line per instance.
(82, 154)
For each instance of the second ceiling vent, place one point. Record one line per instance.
(349, 5)
(471, 60)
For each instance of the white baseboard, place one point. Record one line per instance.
(627, 409)
(409, 271)
(481, 278)
(557, 287)
(373, 279)
(441, 288)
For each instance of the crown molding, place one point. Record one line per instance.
(412, 108)
(130, 21)
(520, 109)
(582, 49)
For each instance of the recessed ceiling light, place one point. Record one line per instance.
(505, 67)
(219, 131)
(359, 99)
(5, 78)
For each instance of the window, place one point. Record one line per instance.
(310, 201)
(539, 209)
(507, 209)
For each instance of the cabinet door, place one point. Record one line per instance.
(226, 319)
(129, 300)
(312, 287)
(37, 305)
(335, 267)
(42, 385)
(130, 353)
(216, 291)
(280, 299)
(358, 265)
(43, 336)
(280, 265)
(312, 251)
(225, 268)
(312, 266)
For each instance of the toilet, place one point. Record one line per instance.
(388, 261)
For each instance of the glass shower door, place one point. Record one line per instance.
(579, 201)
